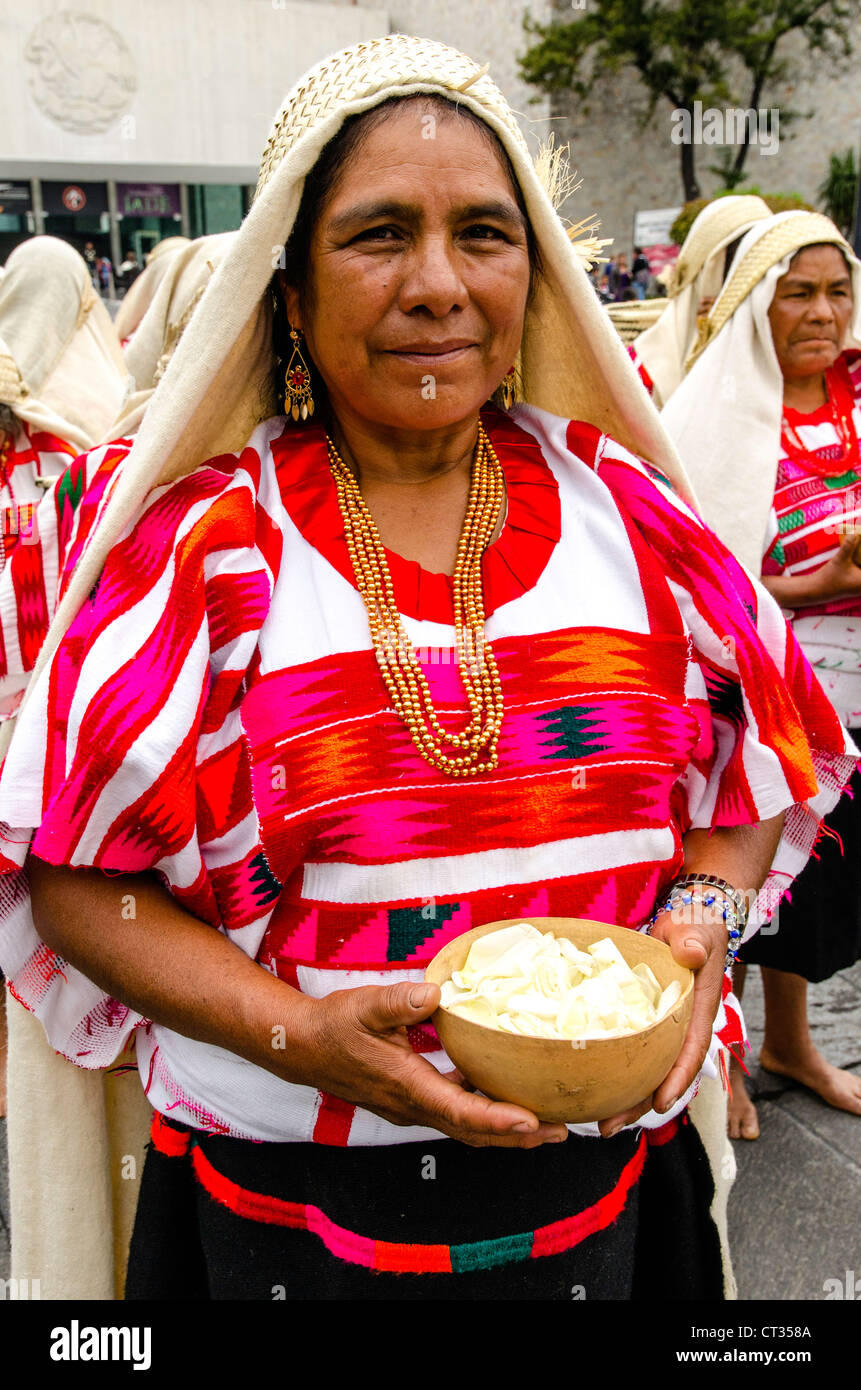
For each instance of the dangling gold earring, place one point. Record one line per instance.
(508, 388)
(297, 382)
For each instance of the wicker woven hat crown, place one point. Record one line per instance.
(714, 224)
(366, 70)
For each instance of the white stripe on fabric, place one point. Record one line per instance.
(593, 541)
(234, 844)
(452, 875)
(22, 783)
(318, 982)
(148, 756)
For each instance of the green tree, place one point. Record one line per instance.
(839, 191)
(713, 51)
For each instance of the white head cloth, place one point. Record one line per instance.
(187, 273)
(725, 417)
(217, 386)
(142, 291)
(663, 349)
(61, 368)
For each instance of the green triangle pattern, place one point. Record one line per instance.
(408, 928)
(572, 731)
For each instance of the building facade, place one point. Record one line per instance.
(122, 124)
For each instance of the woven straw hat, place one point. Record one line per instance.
(717, 222)
(788, 232)
(217, 386)
(665, 344)
(360, 76)
(632, 319)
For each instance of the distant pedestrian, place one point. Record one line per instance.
(641, 273)
(105, 273)
(91, 257)
(128, 271)
(620, 278)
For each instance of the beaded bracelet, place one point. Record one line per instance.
(712, 881)
(679, 895)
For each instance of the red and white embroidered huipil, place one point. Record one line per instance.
(215, 712)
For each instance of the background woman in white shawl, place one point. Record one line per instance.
(186, 274)
(661, 352)
(767, 422)
(62, 380)
(72, 1129)
(142, 292)
(62, 376)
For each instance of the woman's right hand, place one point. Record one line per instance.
(840, 577)
(168, 966)
(354, 1045)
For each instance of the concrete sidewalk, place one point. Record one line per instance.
(795, 1209)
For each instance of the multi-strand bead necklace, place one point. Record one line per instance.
(841, 404)
(473, 749)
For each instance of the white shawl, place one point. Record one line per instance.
(725, 417)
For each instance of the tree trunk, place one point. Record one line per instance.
(689, 177)
(738, 165)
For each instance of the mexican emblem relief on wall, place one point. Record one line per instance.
(80, 72)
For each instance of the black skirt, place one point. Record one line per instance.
(624, 1218)
(818, 931)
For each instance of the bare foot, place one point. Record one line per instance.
(742, 1120)
(839, 1088)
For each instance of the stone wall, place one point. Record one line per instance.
(626, 167)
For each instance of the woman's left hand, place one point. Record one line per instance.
(702, 948)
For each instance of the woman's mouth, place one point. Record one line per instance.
(433, 354)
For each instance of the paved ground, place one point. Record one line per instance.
(4, 1205)
(795, 1210)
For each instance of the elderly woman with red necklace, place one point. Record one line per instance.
(768, 423)
(254, 808)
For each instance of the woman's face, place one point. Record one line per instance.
(419, 275)
(810, 311)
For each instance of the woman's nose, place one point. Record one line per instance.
(820, 308)
(433, 278)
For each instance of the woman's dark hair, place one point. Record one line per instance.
(334, 158)
(729, 256)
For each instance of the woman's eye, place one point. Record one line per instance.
(483, 232)
(378, 234)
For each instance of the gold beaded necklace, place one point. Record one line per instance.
(475, 747)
